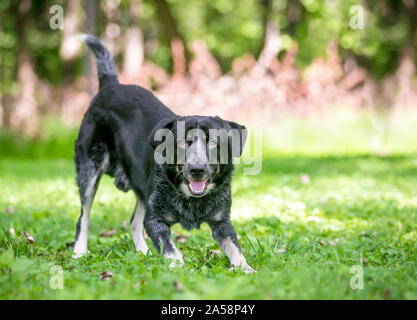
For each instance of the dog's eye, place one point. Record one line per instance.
(212, 144)
(182, 144)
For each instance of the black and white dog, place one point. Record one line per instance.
(122, 135)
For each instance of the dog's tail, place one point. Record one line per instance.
(106, 70)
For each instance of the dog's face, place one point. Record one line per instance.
(202, 151)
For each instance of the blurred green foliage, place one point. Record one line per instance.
(55, 141)
(338, 132)
(229, 28)
(38, 38)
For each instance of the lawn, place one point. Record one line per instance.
(332, 195)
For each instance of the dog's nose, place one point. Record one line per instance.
(197, 170)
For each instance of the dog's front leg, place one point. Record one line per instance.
(225, 235)
(160, 233)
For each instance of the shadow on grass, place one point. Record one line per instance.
(364, 165)
(347, 165)
(370, 165)
(36, 169)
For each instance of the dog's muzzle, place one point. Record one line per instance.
(197, 177)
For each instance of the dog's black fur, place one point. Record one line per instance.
(116, 138)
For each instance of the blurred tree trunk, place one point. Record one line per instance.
(411, 13)
(25, 114)
(406, 69)
(90, 28)
(272, 38)
(1, 99)
(266, 8)
(134, 47)
(170, 29)
(133, 52)
(294, 14)
(70, 45)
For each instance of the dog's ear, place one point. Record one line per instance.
(239, 133)
(165, 123)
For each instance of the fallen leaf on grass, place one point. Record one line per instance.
(125, 225)
(313, 219)
(214, 253)
(322, 243)
(108, 233)
(140, 283)
(106, 275)
(305, 179)
(180, 238)
(177, 285)
(9, 210)
(365, 261)
(281, 249)
(28, 237)
(69, 244)
(334, 242)
(366, 234)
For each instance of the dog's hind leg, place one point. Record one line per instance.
(89, 173)
(136, 227)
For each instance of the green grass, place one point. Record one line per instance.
(358, 206)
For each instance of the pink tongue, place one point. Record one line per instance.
(197, 185)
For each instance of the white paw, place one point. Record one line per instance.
(77, 255)
(145, 251)
(247, 269)
(176, 264)
(177, 260)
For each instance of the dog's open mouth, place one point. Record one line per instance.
(197, 187)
